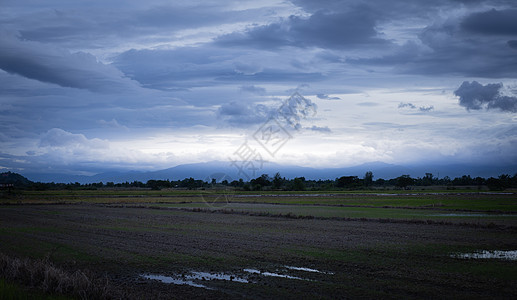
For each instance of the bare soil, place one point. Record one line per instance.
(367, 259)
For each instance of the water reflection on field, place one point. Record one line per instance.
(192, 277)
(485, 254)
(188, 279)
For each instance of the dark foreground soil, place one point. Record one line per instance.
(366, 259)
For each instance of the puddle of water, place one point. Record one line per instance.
(471, 215)
(283, 195)
(214, 276)
(168, 279)
(254, 271)
(188, 279)
(494, 193)
(497, 254)
(307, 270)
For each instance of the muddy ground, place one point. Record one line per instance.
(369, 259)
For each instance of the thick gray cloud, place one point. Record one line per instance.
(55, 65)
(295, 109)
(174, 68)
(498, 22)
(245, 114)
(190, 67)
(476, 96)
(324, 29)
(401, 8)
(469, 44)
(291, 112)
(81, 25)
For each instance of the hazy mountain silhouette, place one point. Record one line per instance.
(14, 178)
(206, 169)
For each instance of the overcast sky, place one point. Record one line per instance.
(88, 86)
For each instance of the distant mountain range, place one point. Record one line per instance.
(208, 169)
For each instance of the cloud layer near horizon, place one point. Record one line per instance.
(90, 86)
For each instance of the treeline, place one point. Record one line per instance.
(264, 182)
(277, 182)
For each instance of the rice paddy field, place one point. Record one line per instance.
(144, 244)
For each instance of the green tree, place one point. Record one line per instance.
(368, 178)
(404, 181)
(347, 181)
(299, 184)
(259, 183)
(278, 181)
(428, 179)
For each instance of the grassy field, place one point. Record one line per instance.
(359, 212)
(284, 245)
(460, 199)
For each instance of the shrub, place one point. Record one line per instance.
(44, 275)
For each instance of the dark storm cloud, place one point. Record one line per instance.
(454, 51)
(206, 66)
(95, 26)
(334, 28)
(512, 44)
(498, 22)
(54, 65)
(476, 96)
(399, 8)
(471, 43)
(296, 109)
(244, 114)
(291, 112)
(165, 68)
(324, 29)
